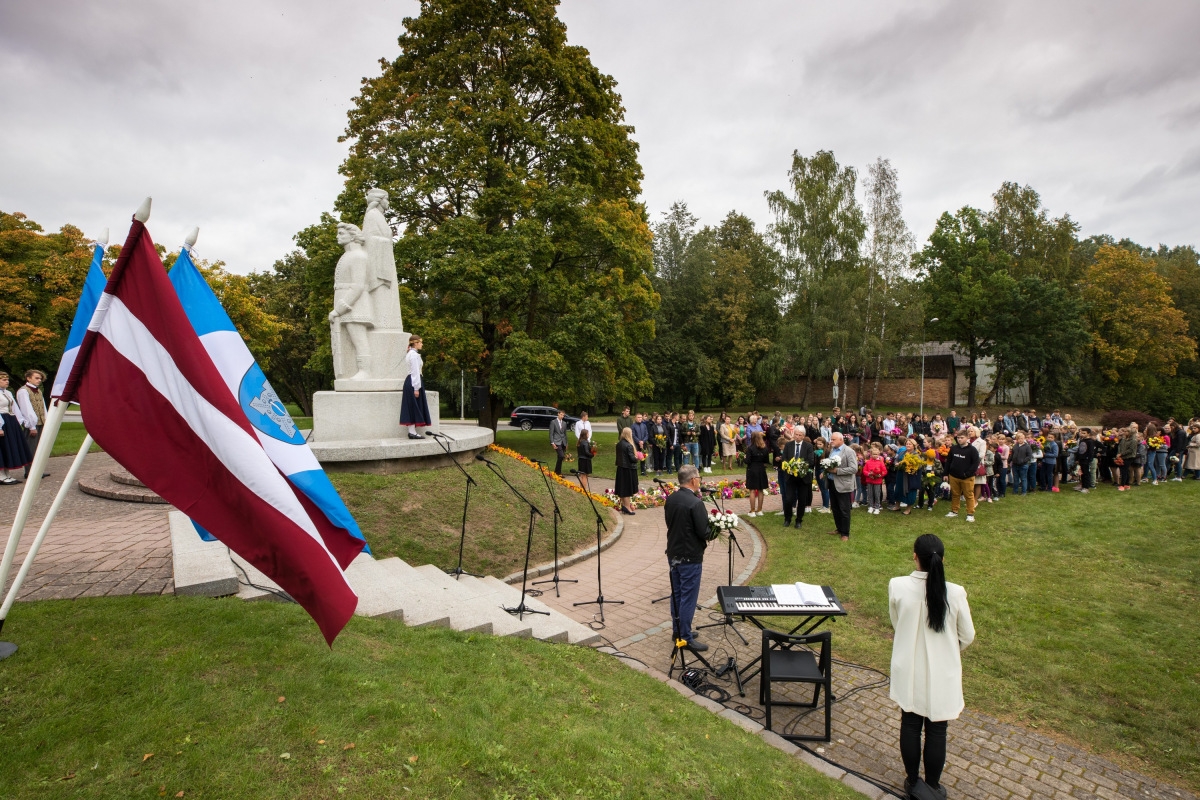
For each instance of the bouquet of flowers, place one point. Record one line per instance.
(796, 467)
(911, 463)
(1155, 442)
(660, 440)
(943, 452)
(930, 479)
(720, 522)
(641, 455)
(830, 463)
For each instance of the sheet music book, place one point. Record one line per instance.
(795, 594)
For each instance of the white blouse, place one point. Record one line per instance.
(414, 367)
(926, 665)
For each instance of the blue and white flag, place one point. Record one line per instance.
(93, 287)
(274, 426)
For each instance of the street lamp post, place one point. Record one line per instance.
(921, 413)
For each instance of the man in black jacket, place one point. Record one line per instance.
(797, 491)
(1085, 457)
(961, 465)
(687, 538)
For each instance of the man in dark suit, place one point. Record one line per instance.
(687, 538)
(558, 439)
(797, 491)
(670, 425)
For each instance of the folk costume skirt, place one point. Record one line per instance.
(414, 410)
(14, 444)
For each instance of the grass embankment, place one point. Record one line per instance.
(418, 516)
(220, 698)
(1084, 606)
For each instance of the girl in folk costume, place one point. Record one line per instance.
(414, 410)
(14, 447)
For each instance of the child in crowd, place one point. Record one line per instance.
(874, 470)
(989, 463)
(931, 476)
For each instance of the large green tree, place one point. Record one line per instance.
(967, 285)
(514, 183)
(819, 227)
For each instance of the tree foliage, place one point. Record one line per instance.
(514, 182)
(41, 277)
(1137, 334)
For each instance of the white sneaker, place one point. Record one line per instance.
(854, 505)
(970, 518)
(1154, 483)
(808, 510)
(824, 510)
(904, 505)
(989, 499)
(952, 514)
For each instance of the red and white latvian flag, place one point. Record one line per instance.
(152, 398)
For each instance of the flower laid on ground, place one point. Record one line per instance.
(554, 476)
(720, 522)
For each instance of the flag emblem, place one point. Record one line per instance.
(264, 409)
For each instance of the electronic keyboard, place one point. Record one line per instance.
(753, 601)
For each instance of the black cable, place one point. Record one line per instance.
(886, 787)
(282, 595)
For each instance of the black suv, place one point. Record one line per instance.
(529, 417)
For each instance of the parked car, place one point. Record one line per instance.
(529, 417)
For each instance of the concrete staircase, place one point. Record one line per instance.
(389, 588)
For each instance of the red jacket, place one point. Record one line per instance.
(874, 470)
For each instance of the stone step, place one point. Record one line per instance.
(415, 596)
(200, 568)
(263, 588)
(375, 587)
(467, 605)
(552, 627)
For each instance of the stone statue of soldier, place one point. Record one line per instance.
(353, 314)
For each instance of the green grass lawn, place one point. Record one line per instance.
(1085, 610)
(205, 698)
(70, 439)
(418, 516)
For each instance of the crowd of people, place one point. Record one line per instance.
(894, 460)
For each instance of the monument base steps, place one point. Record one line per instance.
(388, 588)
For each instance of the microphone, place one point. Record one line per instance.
(537, 460)
(660, 481)
(707, 490)
(574, 472)
(482, 457)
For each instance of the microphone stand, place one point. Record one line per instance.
(733, 542)
(663, 484)
(599, 601)
(521, 609)
(557, 516)
(458, 571)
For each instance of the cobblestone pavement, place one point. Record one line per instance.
(95, 546)
(987, 759)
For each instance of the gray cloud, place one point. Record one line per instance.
(229, 113)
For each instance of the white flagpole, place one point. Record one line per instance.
(68, 482)
(41, 456)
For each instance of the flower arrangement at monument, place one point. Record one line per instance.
(554, 476)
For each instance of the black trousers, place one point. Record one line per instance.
(788, 491)
(1085, 475)
(840, 505)
(562, 452)
(803, 497)
(934, 751)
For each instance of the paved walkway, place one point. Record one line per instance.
(95, 546)
(104, 547)
(987, 759)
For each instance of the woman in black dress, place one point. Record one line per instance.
(757, 456)
(627, 470)
(708, 443)
(585, 451)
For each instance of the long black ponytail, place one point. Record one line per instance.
(930, 551)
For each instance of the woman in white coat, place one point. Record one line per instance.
(933, 624)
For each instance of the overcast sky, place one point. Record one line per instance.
(228, 113)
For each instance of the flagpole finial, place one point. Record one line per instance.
(143, 212)
(103, 240)
(190, 241)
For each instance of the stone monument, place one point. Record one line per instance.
(368, 337)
